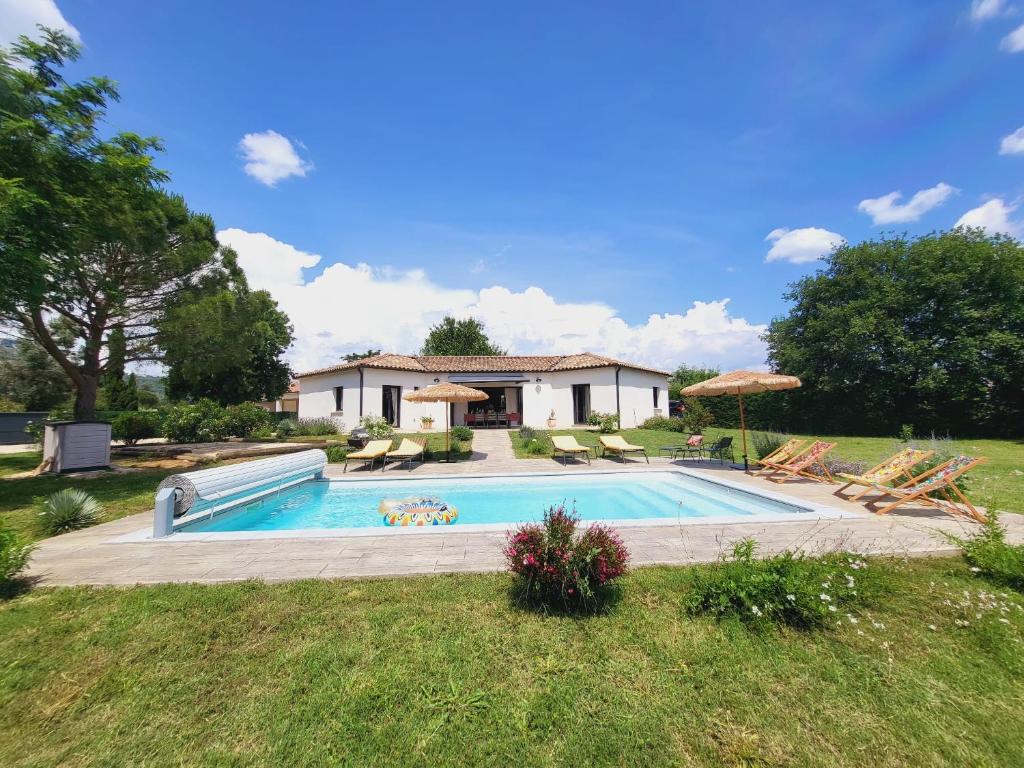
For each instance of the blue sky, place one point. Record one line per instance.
(565, 172)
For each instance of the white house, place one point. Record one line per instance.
(523, 390)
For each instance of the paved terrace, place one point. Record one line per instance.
(92, 556)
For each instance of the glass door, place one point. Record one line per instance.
(391, 405)
(580, 403)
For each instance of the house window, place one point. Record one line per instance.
(657, 391)
(339, 399)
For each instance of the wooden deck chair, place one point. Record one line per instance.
(799, 465)
(780, 455)
(615, 444)
(940, 480)
(375, 449)
(567, 446)
(891, 469)
(408, 450)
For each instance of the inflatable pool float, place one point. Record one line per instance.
(417, 512)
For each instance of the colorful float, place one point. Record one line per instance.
(417, 511)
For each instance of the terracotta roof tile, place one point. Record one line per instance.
(482, 363)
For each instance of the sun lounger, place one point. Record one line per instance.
(891, 469)
(780, 455)
(800, 465)
(408, 450)
(567, 446)
(375, 449)
(941, 480)
(615, 444)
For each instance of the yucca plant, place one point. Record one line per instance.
(69, 510)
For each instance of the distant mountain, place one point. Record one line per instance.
(155, 384)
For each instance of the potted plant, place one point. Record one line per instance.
(427, 423)
(552, 421)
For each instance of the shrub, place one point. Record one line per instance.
(789, 588)
(462, 434)
(244, 419)
(287, 427)
(132, 426)
(837, 464)
(35, 430)
(767, 442)
(200, 422)
(526, 434)
(555, 567)
(661, 423)
(318, 427)
(906, 433)
(696, 416)
(14, 555)
(605, 422)
(262, 433)
(10, 406)
(336, 453)
(377, 426)
(68, 510)
(989, 555)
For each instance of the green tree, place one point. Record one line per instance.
(225, 342)
(31, 377)
(351, 357)
(927, 331)
(88, 233)
(459, 337)
(120, 394)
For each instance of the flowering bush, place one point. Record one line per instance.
(788, 588)
(556, 567)
(989, 554)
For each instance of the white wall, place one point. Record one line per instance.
(637, 396)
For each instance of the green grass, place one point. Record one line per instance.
(999, 484)
(434, 444)
(441, 671)
(121, 494)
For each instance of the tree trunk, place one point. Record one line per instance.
(85, 398)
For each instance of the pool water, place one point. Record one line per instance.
(500, 500)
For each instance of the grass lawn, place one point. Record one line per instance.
(443, 671)
(121, 494)
(999, 484)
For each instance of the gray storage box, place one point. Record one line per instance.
(77, 445)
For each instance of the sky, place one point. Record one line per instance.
(637, 180)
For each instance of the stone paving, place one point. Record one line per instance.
(93, 556)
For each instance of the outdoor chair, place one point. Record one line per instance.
(800, 465)
(375, 449)
(514, 420)
(780, 455)
(941, 480)
(615, 444)
(567, 446)
(719, 448)
(891, 469)
(407, 451)
(470, 419)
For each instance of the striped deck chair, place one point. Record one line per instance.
(800, 465)
(883, 474)
(780, 455)
(940, 480)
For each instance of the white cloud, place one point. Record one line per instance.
(271, 157)
(328, 313)
(983, 10)
(801, 246)
(994, 218)
(888, 210)
(1013, 42)
(267, 262)
(20, 17)
(1013, 144)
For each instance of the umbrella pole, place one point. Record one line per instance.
(447, 446)
(743, 432)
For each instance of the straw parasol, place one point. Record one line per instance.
(742, 383)
(445, 393)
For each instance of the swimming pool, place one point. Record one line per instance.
(496, 502)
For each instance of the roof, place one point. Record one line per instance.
(481, 363)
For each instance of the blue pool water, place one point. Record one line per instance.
(490, 500)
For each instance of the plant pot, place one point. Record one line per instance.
(552, 423)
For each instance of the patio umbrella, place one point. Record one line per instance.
(741, 383)
(445, 393)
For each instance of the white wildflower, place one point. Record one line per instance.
(755, 610)
(825, 598)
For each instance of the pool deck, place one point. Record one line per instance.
(94, 556)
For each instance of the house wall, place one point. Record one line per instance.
(552, 392)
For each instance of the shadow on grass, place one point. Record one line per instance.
(17, 587)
